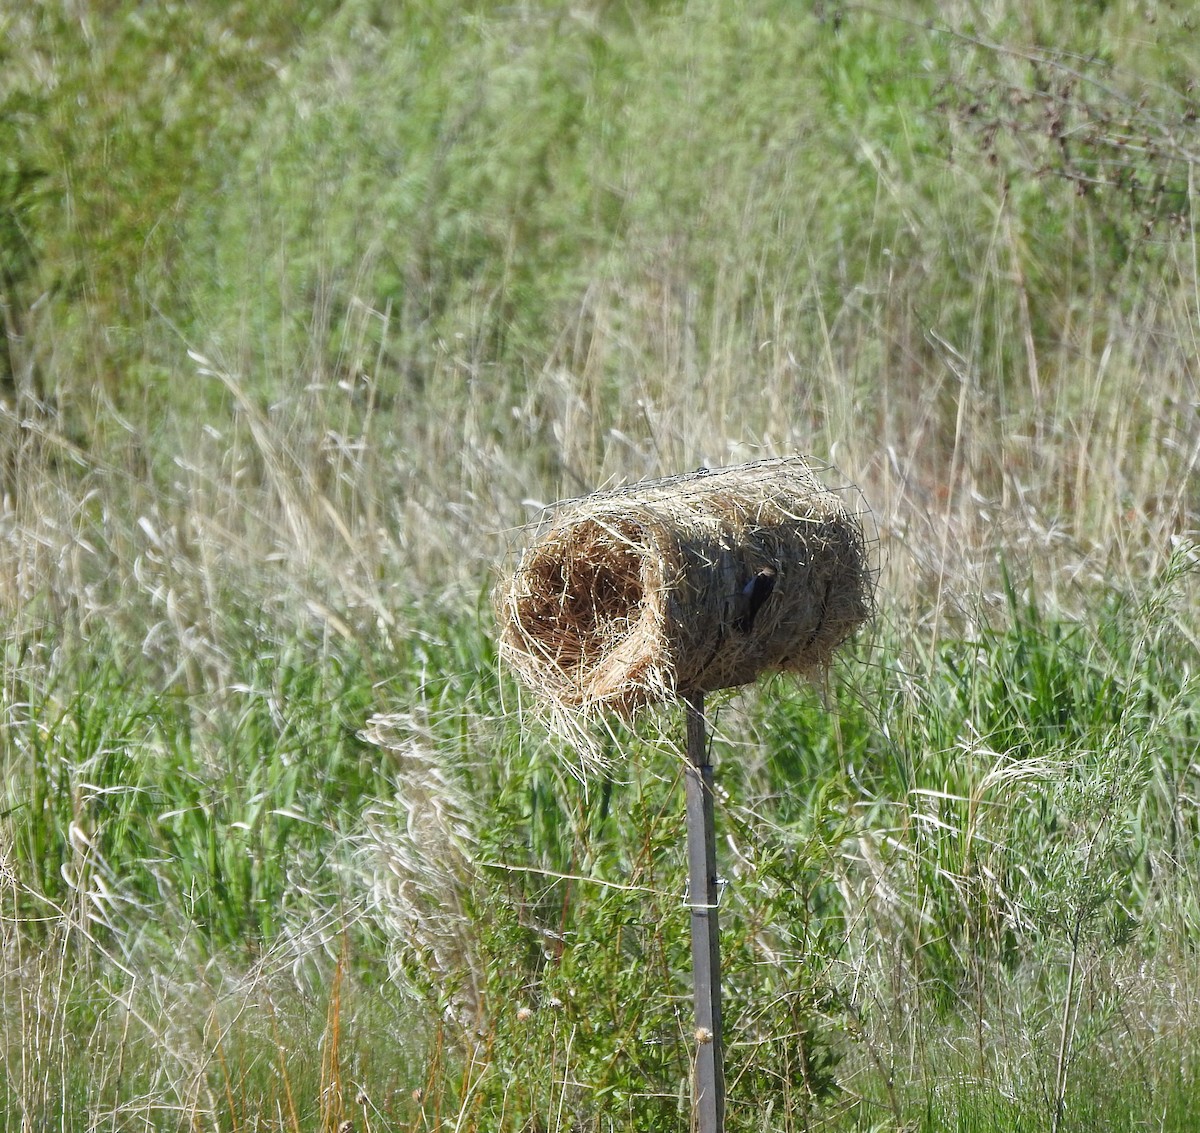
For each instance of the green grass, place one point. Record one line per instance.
(306, 310)
(915, 866)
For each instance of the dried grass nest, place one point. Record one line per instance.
(686, 585)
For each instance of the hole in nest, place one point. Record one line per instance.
(586, 595)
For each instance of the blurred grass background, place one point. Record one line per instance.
(309, 307)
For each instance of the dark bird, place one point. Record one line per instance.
(755, 593)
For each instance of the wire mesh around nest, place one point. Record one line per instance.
(686, 585)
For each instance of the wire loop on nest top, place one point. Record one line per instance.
(686, 585)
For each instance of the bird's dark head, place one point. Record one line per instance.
(755, 593)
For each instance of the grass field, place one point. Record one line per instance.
(308, 308)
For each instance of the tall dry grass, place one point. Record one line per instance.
(265, 499)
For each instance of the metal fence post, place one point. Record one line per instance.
(706, 944)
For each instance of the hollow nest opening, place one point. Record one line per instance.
(684, 585)
(584, 621)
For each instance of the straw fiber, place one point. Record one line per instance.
(686, 585)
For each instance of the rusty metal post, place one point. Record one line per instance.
(706, 944)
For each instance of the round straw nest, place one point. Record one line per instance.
(686, 585)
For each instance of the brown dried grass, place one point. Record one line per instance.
(637, 595)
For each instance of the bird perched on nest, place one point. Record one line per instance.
(754, 594)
